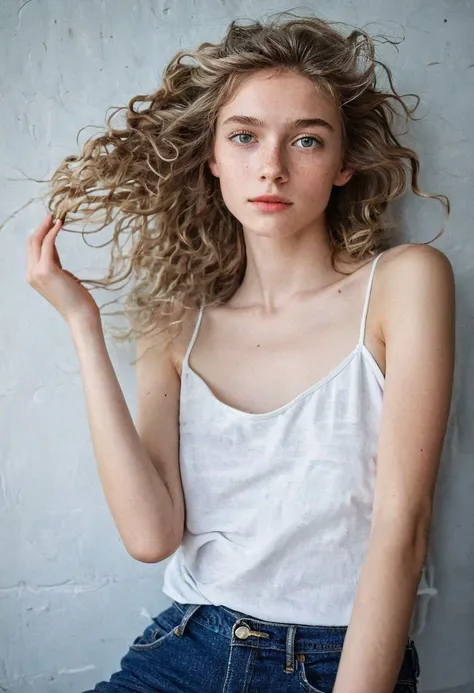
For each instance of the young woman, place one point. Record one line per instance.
(294, 370)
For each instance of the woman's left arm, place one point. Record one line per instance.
(418, 297)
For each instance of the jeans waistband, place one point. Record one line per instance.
(244, 630)
(292, 639)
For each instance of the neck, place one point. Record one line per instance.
(280, 268)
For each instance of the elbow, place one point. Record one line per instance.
(152, 554)
(151, 545)
(147, 556)
(143, 557)
(409, 538)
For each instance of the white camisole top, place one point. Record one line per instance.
(279, 504)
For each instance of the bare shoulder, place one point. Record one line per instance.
(414, 277)
(180, 343)
(153, 342)
(156, 347)
(414, 255)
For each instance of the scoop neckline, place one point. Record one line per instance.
(359, 348)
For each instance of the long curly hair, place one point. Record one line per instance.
(150, 178)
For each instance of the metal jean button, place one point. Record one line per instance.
(242, 632)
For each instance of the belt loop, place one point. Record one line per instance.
(189, 611)
(290, 649)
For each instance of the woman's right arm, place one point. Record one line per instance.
(138, 466)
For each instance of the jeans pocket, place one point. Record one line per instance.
(317, 673)
(160, 629)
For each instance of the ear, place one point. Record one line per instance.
(214, 167)
(343, 176)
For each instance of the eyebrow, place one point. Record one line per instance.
(301, 123)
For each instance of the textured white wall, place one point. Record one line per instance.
(71, 598)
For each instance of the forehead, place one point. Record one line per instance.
(280, 96)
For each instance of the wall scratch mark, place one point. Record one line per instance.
(24, 5)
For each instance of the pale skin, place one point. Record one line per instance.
(292, 315)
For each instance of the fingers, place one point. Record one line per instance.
(57, 259)
(48, 249)
(36, 238)
(40, 239)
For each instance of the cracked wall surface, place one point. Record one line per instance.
(71, 598)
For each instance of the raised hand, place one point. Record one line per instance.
(45, 273)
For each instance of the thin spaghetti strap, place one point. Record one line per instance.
(193, 338)
(367, 298)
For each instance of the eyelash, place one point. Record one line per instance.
(303, 137)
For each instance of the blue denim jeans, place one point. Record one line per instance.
(195, 648)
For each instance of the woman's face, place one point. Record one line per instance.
(275, 155)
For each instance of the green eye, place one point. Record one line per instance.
(241, 134)
(309, 138)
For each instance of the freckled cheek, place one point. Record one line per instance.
(232, 177)
(311, 181)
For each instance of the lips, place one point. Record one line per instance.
(271, 207)
(270, 198)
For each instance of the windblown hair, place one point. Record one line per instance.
(150, 179)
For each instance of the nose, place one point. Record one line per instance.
(273, 165)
